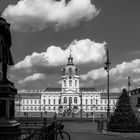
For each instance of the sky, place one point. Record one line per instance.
(44, 31)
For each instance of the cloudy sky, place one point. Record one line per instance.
(44, 31)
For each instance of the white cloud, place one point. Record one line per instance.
(118, 75)
(34, 77)
(83, 51)
(94, 74)
(35, 15)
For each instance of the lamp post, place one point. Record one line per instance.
(107, 64)
(81, 106)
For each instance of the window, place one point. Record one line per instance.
(27, 101)
(86, 101)
(23, 101)
(101, 101)
(96, 101)
(76, 71)
(76, 83)
(70, 71)
(65, 100)
(54, 101)
(39, 101)
(70, 83)
(101, 108)
(59, 100)
(91, 101)
(49, 101)
(53, 108)
(105, 101)
(70, 100)
(35, 101)
(44, 101)
(31, 101)
(65, 83)
(114, 102)
(75, 99)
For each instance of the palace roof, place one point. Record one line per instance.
(29, 95)
(53, 89)
(111, 95)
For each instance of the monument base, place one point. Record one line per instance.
(10, 130)
(9, 127)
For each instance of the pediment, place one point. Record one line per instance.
(71, 92)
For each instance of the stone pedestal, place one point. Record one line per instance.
(9, 127)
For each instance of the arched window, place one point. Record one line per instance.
(65, 83)
(76, 83)
(86, 101)
(91, 101)
(75, 99)
(70, 71)
(35, 101)
(96, 101)
(54, 101)
(49, 101)
(65, 99)
(70, 100)
(70, 83)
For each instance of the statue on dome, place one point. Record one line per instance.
(5, 45)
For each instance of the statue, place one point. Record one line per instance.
(5, 45)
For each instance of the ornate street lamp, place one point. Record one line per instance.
(107, 64)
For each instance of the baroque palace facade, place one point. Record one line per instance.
(69, 97)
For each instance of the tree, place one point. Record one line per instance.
(123, 114)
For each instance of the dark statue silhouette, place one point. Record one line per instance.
(5, 45)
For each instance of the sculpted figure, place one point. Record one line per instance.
(5, 45)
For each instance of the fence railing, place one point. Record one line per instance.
(37, 131)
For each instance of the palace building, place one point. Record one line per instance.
(70, 97)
